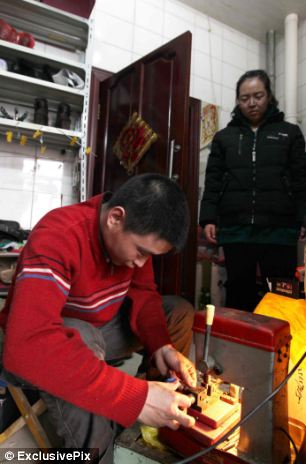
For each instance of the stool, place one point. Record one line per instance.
(29, 416)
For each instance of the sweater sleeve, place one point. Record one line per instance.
(147, 316)
(42, 351)
(298, 173)
(214, 178)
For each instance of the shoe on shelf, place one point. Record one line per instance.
(41, 111)
(63, 116)
(69, 78)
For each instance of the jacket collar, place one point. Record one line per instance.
(272, 114)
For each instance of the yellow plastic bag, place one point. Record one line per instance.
(150, 436)
(293, 311)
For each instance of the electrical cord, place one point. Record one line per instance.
(245, 418)
(297, 460)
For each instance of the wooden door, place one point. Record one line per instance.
(157, 88)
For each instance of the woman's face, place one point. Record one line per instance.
(253, 100)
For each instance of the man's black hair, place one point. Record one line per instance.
(154, 204)
(261, 75)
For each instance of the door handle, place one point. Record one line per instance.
(174, 148)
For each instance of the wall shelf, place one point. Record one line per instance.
(70, 36)
(10, 51)
(51, 135)
(9, 254)
(46, 23)
(17, 88)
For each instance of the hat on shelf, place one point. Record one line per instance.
(9, 33)
(25, 39)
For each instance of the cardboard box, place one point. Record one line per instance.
(288, 287)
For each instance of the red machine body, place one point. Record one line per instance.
(253, 353)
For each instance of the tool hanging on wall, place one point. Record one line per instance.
(6, 115)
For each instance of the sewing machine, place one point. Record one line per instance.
(248, 358)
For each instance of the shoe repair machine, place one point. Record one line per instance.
(241, 358)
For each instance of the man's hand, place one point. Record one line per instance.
(302, 233)
(210, 233)
(165, 407)
(168, 359)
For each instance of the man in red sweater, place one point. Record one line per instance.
(83, 294)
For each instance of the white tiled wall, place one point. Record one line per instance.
(302, 76)
(31, 184)
(125, 30)
(279, 85)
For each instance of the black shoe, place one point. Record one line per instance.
(41, 111)
(63, 116)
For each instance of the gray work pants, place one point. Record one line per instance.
(81, 429)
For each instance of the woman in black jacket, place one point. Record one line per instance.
(254, 202)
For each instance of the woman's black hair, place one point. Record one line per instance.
(263, 76)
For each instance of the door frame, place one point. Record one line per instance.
(97, 76)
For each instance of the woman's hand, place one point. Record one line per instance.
(210, 233)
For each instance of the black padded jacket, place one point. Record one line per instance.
(256, 177)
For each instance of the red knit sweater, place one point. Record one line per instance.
(62, 272)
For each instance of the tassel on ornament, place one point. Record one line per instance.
(23, 140)
(43, 149)
(73, 141)
(9, 136)
(37, 134)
